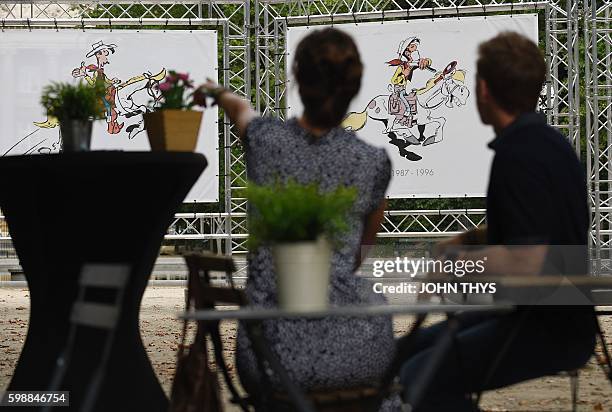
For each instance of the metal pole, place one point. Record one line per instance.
(595, 134)
(227, 149)
(552, 108)
(608, 128)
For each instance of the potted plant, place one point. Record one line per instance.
(172, 125)
(75, 106)
(300, 224)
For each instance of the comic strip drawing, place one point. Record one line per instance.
(94, 72)
(123, 102)
(121, 99)
(413, 115)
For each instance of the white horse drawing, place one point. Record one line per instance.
(442, 91)
(133, 98)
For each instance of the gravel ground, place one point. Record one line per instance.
(161, 334)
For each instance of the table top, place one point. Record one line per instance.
(353, 311)
(114, 156)
(584, 281)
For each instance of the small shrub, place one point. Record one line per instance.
(80, 101)
(292, 212)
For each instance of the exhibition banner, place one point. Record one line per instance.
(133, 63)
(418, 101)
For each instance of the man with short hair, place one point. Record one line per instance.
(537, 196)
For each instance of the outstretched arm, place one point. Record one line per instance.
(238, 109)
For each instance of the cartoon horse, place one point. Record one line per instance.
(415, 127)
(134, 96)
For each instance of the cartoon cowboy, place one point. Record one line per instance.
(93, 72)
(409, 60)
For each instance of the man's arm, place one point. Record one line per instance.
(500, 260)
(473, 237)
(524, 260)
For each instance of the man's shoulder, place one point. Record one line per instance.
(539, 150)
(539, 140)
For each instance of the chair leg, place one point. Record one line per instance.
(606, 353)
(574, 388)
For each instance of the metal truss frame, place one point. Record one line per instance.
(266, 30)
(598, 90)
(561, 45)
(230, 17)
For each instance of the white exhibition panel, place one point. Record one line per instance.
(441, 149)
(29, 60)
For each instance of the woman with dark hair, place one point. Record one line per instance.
(327, 353)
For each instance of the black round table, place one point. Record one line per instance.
(70, 209)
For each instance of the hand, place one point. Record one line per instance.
(116, 81)
(209, 89)
(424, 63)
(424, 297)
(79, 71)
(442, 248)
(209, 85)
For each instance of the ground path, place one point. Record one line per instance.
(161, 334)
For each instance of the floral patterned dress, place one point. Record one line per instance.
(332, 352)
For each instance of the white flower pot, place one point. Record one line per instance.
(302, 274)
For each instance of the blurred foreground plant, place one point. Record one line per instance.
(67, 101)
(292, 212)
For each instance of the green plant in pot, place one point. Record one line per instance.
(75, 106)
(300, 224)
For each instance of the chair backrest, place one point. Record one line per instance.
(97, 315)
(201, 294)
(207, 296)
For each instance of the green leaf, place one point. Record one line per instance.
(292, 212)
(74, 101)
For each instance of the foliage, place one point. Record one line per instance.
(176, 93)
(69, 101)
(293, 212)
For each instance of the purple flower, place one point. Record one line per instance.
(183, 76)
(164, 87)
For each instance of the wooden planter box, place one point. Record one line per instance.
(173, 130)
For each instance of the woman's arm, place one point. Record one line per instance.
(370, 229)
(238, 109)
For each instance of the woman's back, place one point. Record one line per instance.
(332, 352)
(285, 150)
(328, 352)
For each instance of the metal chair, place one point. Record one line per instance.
(89, 314)
(206, 297)
(607, 364)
